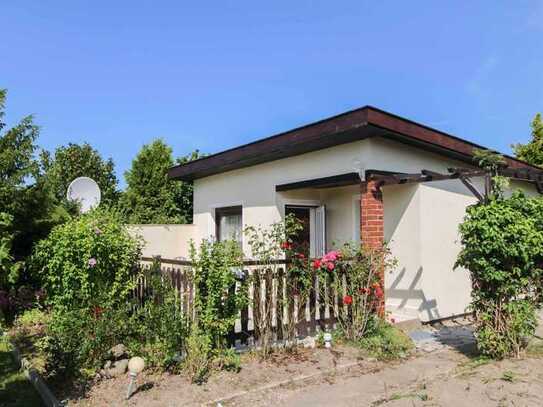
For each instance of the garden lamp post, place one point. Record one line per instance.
(327, 340)
(135, 366)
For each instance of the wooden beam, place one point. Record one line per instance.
(351, 178)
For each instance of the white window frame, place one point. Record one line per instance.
(212, 226)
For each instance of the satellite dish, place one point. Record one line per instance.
(85, 191)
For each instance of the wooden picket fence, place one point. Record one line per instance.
(266, 305)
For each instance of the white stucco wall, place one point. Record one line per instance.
(254, 187)
(421, 226)
(421, 220)
(403, 234)
(168, 241)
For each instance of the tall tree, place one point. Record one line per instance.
(78, 160)
(150, 197)
(532, 152)
(26, 209)
(184, 189)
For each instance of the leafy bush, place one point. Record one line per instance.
(160, 326)
(217, 266)
(197, 362)
(228, 359)
(81, 338)
(31, 318)
(268, 245)
(503, 251)
(386, 342)
(89, 257)
(355, 272)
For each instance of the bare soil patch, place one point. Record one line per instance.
(291, 370)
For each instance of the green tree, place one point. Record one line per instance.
(532, 152)
(150, 197)
(26, 209)
(78, 160)
(184, 190)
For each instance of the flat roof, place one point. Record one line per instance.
(347, 127)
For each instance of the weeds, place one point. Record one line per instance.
(387, 342)
(508, 376)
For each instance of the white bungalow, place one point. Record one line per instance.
(364, 175)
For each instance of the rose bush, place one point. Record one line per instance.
(354, 272)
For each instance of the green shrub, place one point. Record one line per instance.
(92, 256)
(228, 359)
(503, 251)
(217, 300)
(81, 338)
(268, 244)
(386, 342)
(197, 362)
(160, 326)
(31, 318)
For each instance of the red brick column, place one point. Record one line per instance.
(372, 231)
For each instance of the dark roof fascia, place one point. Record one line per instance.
(350, 178)
(344, 128)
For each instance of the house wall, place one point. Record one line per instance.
(420, 220)
(168, 241)
(254, 187)
(403, 233)
(421, 226)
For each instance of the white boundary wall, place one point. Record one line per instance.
(168, 241)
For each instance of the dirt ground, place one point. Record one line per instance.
(445, 371)
(175, 390)
(443, 377)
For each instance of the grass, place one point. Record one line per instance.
(399, 396)
(535, 348)
(15, 389)
(469, 368)
(508, 376)
(387, 343)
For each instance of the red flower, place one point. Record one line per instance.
(97, 312)
(286, 246)
(347, 300)
(330, 266)
(364, 290)
(378, 292)
(301, 256)
(316, 264)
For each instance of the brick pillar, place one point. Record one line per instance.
(372, 222)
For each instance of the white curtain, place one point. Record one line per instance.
(230, 228)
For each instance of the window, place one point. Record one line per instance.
(311, 240)
(228, 223)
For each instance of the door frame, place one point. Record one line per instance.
(306, 204)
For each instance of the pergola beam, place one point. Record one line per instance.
(463, 174)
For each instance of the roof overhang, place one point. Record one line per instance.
(350, 178)
(345, 128)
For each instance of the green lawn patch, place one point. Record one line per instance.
(15, 389)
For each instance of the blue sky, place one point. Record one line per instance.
(212, 75)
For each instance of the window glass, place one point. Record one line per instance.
(229, 223)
